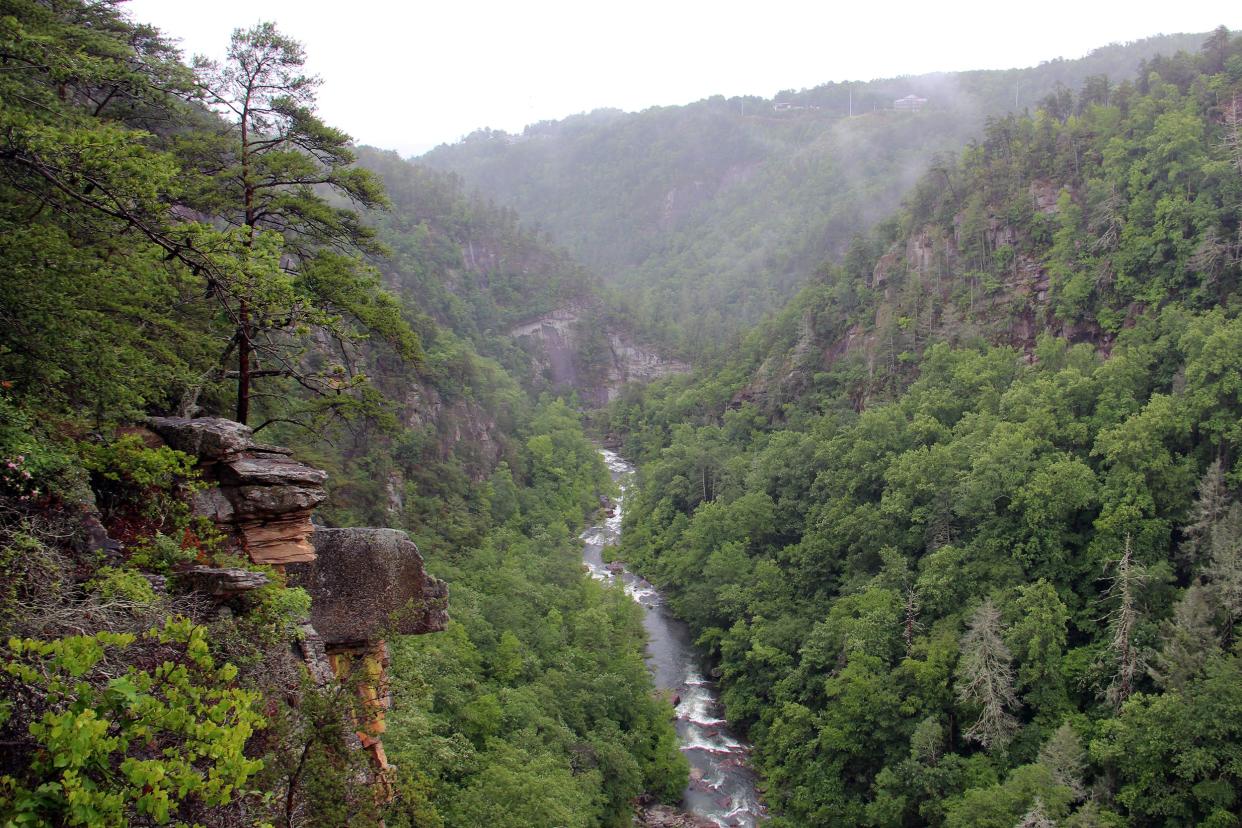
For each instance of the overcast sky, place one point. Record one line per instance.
(411, 75)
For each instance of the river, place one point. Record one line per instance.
(722, 785)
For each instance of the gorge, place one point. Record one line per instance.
(922, 397)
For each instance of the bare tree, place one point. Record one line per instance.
(985, 678)
(1037, 817)
(1232, 116)
(1065, 759)
(1126, 661)
(911, 625)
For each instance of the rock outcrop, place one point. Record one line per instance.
(556, 341)
(216, 582)
(924, 289)
(257, 494)
(665, 816)
(454, 422)
(366, 584)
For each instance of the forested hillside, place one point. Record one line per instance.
(952, 502)
(196, 241)
(961, 525)
(470, 265)
(706, 216)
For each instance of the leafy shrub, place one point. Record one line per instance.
(160, 553)
(101, 745)
(134, 480)
(31, 469)
(124, 584)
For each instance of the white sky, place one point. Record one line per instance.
(411, 75)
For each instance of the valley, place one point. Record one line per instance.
(865, 454)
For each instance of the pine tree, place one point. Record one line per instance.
(1224, 569)
(1208, 510)
(985, 678)
(1188, 640)
(300, 265)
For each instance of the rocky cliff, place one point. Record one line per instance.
(927, 287)
(365, 584)
(567, 351)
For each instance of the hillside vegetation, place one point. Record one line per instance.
(706, 216)
(961, 524)
(157, 258)
(952, 503)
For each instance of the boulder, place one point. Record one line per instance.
(366, 584)
(206, 437)
(666, 816)
(263, 469)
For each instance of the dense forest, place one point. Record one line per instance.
(951, 502)
(166, 229)
(961, 524)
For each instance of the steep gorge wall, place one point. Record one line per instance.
(924, 289)
(558, 342)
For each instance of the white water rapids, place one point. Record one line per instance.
(722, 784)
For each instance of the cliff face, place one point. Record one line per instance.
(558, 342)
(365, 584)
(257, 494)
(459, 421)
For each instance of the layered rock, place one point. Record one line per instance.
(258, 494)
(556, 340)
(220, 583)
(364, 584)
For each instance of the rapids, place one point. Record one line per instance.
(722, 784)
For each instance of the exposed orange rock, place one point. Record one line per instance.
(365, 584)
(260, 496)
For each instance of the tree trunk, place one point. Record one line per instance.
(243, 362)
(244, 345)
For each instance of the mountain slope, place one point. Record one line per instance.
(707, 215)
(962, 525)
(147, 668)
